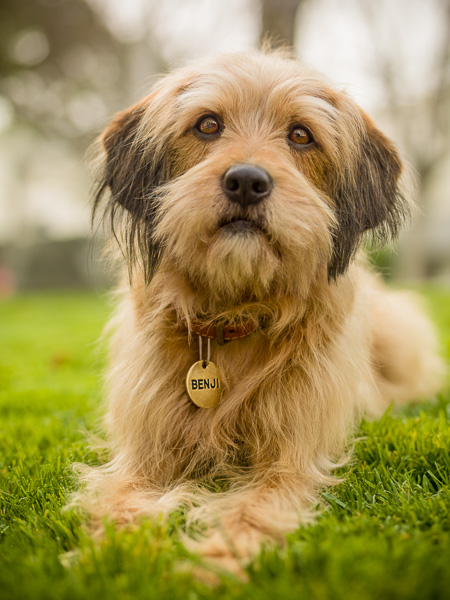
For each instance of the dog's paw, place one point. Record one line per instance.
(222, 552)
(213, 572)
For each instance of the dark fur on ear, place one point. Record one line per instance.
(368, 199)
(132, 173)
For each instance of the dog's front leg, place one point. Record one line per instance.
(241, 522)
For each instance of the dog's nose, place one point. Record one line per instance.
(246, 184)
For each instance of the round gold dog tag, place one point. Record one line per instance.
(203, 384)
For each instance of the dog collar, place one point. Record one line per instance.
(203, 380)
(221, 332)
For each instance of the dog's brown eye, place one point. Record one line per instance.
(300, 135)
(208, 125)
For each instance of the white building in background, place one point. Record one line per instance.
(44, 191)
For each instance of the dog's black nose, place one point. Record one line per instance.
(246, 184)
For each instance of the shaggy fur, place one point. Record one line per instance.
(332, 343)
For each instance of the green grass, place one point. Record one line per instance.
(386, 533)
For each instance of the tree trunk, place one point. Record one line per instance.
(278, 19)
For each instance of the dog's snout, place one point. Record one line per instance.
(246, 184)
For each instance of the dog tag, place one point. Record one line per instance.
(203, 384)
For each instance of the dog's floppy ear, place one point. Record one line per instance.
(368, 198)
(133, 168)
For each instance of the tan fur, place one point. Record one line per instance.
(332, 342)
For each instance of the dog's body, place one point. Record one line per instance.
(241, 190)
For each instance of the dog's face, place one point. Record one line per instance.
(249, 175)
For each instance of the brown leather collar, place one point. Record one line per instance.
(222, 332)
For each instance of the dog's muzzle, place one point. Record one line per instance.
(246, 184)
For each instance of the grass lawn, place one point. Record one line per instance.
(386, 533)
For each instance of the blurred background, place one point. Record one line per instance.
(67, 65)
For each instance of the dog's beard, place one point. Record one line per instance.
(240, 261)
(224, 251)
(234, 254)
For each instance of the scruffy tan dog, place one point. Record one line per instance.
(240, 190)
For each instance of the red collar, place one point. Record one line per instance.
(222, 332)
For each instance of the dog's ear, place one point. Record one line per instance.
(133, 168)
(368, 197)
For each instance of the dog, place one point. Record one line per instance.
(251, 336)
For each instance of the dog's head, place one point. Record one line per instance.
(248, 174)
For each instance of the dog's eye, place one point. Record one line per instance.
(300, 136)
(208, 125)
